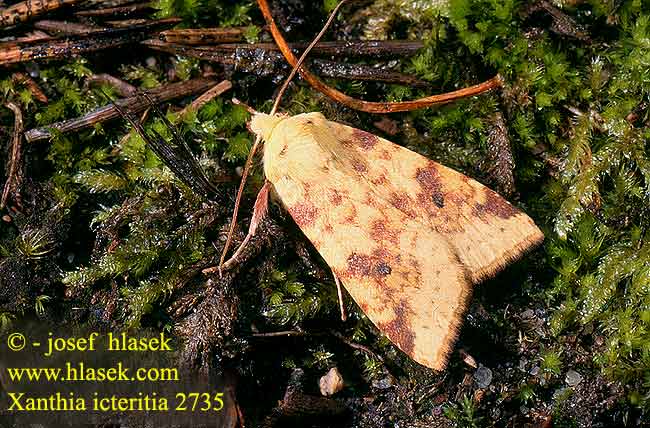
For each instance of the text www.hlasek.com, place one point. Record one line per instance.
(82, 373)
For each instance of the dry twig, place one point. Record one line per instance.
(131, 104)
(65, 27)
(207, 96)
(266, 60)
(203, 36)
(501, 162)
(14, 177)
(12, 52)
(124, 89)
(23, 79)
(356, 48)
(113, 11)
(26, 10)
(368, 106)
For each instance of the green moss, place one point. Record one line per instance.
(463, 413)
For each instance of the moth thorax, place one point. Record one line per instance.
(262, 124)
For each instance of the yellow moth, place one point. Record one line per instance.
(406, 236)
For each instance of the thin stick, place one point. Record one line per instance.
(64, 48)
(248, 108)
(90, 4)
(120, 10)
(132, 104)
(23, 11)
(131, 132)
(24, 79)
(355, 345)
(203, 36)
(249, 60)
(64, 27)
(336, 48)
(368, 106)
(178, 158)
(123, 88)
(339, 292)
(13, 179)
(207, 96)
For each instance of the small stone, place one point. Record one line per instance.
(559, 393)
(331, 383)
(6, 218)
(522, 365)
(573, 378)
(467, 358)
(528, 313)
(384, 383)
(483, 376)
(535, 370)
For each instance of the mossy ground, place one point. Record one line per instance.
(106, 227)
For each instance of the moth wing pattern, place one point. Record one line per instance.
(486, 231)
(357, 199)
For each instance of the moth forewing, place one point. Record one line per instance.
(405, 235)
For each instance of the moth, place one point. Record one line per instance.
(406, 236)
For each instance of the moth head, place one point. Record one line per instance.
(262, 124)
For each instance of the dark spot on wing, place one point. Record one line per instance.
(430, 183)
(494, 205)
(335, 197)
(399, 329)
(386, 155)
(380, 232)
(304, 213)
(371, 200)
(375, 265)
(402, 202)
(438, 199)
(383, 268)
(359, 166)
(364, 139)
(380, 181)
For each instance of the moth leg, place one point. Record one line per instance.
(340, 294)
(259, 212)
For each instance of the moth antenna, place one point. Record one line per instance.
(242, 183)
(276, 103)
(259, 212)
(302, 58)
